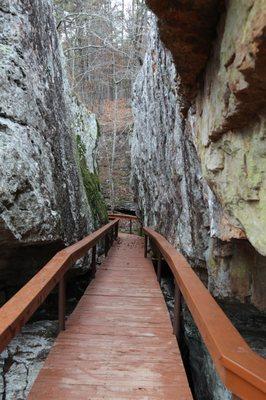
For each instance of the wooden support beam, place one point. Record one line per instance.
(116, 231)
(62, 304)
(106, 245)
(145, 246)
(159, 268)
(177, 312)
(93, 261)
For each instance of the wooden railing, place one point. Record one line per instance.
(127, 217)
(242, 371)
(17, 311)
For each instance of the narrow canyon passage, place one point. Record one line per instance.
(151, 113)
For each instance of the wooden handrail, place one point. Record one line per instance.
(16, 312)
(127, 217)
(242, 370)
(123, 216)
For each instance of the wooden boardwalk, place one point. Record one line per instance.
(118, 342)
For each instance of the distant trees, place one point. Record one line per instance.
(103, 41)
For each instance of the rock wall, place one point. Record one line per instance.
(21, 362)
(87, 135)
(166, 174)
(188, 27)
(43, 202)
(199, 163)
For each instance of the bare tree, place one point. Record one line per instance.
(103, 41)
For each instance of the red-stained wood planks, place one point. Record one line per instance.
(118, 342)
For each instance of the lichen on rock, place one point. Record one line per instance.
(230, 129)
(43, 201)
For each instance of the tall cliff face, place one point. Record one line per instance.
(188, 28)
(166, 174)
(199, 162)
(173, 183)
(43, 202)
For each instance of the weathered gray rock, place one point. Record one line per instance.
(169, 152)
(43, 202)
(40, 185)
(165, 166)
(249, 322)
(231, 119)
(21, 362)
(206, 382)
(87, 134)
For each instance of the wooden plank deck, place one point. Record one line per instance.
(118, 342)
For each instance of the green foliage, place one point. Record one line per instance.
(92, 187)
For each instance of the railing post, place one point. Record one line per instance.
(177, 310)
(106, 245)
(159, 267)
(145, 245)
(141, 229)
(93, 261)
(130, 226)
(116, 230)
(62, 304)
(111, 237)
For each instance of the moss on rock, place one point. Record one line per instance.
(92, 187)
